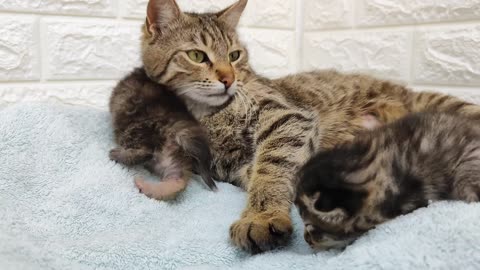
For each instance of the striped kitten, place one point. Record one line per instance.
(387, 172)
(153, 127)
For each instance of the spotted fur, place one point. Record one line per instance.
(272, 127)
(387, 172)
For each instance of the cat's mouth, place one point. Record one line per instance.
(215, 96)
(217, 100)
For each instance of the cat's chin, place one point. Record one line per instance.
(212, 101)
(225, 104)
(201, 107)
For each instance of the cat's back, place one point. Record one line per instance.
(330, 89)
(140, 105)
(429, 141)
(126, 92)
(136, 94)
(441, 128)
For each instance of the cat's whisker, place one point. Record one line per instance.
(183, 92)
(250, 105)
(241, 99)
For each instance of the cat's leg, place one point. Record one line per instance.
(130, 156)
(437, 102)
(389, 102)
(175, 169)
(282, 147)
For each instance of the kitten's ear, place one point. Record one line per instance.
(160, 13)
(231, 15)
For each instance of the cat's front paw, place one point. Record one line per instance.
(258, 232)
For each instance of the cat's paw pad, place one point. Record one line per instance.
(262, 231)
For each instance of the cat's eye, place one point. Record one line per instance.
(197, 56)
(234, 56)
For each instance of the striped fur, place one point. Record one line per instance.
(272, 127)
(389, 171)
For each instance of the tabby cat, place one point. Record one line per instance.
(390, 171)
(154, 128)
(272, 127)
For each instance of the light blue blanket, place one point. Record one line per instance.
(64, 205)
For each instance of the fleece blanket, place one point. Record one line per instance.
(65, 205)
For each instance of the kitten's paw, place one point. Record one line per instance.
(130, 157)
(140, 184)
(164, 190)
(262, 231)
(115, 154)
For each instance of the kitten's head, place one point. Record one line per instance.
(336, 197)
(197, 55)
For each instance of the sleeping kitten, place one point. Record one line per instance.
(153, 127)
(387, 172)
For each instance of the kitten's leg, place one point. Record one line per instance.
(281, 149)
(130, 156)
(466, 186)
(175, 169)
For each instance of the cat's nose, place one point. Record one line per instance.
(227, 81)
(226, 76)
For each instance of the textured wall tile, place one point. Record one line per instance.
(81, 7)
(384, 12)
(322, 14)
(272, 52)
(265, 13)
(270, 13)
(94, 95)
(19, 59)
(134, 8)
(379, 53)
(137, 8)
(447, 56)
(93, 50)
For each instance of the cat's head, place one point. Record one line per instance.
(337, 197)
(197, 55)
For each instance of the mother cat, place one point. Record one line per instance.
(272, 126)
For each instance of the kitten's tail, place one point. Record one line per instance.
(194, 142)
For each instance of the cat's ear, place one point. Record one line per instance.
(160, 13)
(231, 15)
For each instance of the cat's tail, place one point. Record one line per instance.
(194, 142)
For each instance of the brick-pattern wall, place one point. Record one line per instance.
(74, 51)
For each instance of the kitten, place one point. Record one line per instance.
(153, 127)
(387, 172)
